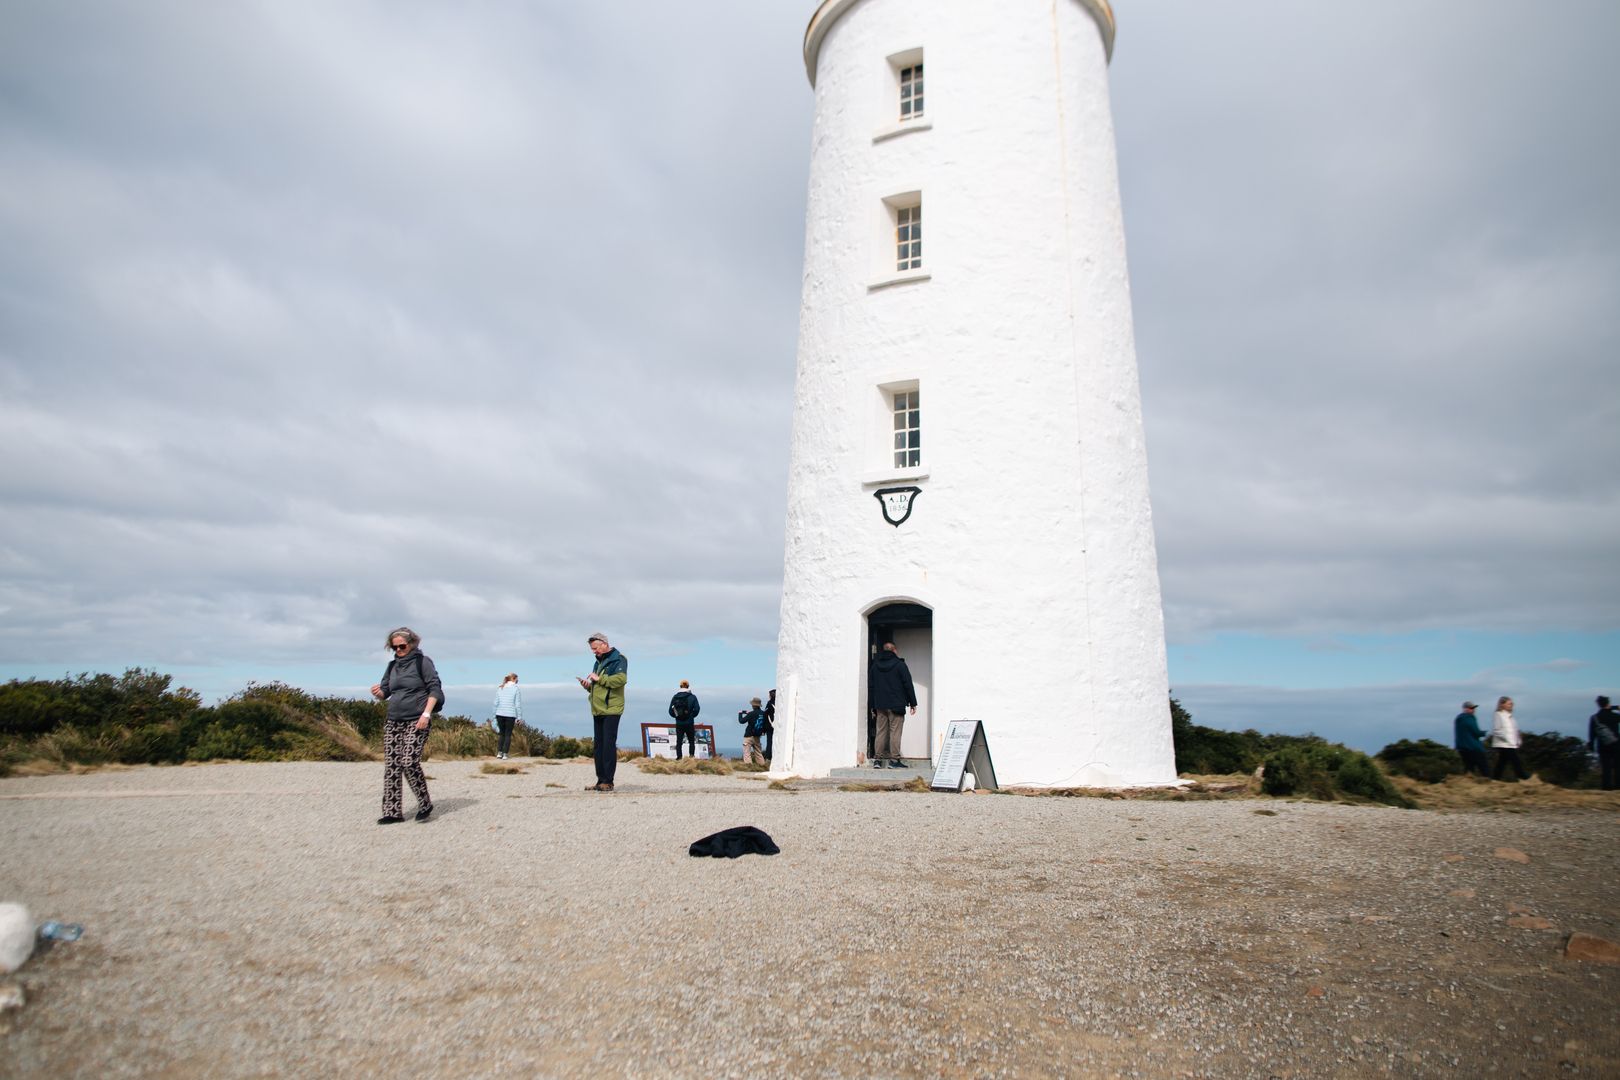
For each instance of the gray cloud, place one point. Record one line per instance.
(315, 318)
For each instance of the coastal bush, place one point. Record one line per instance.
(1558, 759)
(1315, 768)
(1208, 750)
(1422, 759)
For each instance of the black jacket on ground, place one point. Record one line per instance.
(888, 683)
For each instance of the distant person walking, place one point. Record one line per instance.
(684, 708)
(1471, 740)
(1505, 740)
(508, 712)
(605, 685)
(411, 686)
(889, 691)
(753, 721)
(1603, 736)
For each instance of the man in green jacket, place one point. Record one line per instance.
(605, 685)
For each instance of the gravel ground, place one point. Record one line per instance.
(251, 920)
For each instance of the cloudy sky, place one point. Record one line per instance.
(316, 318)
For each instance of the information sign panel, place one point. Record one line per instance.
(965, 751)
(658, 740)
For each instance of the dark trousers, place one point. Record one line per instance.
(505, 723)
(606, 728)
(687, 732)
(1504, 755)
(1474, 762)
(1609, 763)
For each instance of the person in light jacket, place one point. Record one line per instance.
(1505, 740)
(508, 711)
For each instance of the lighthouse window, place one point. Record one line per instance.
(908, 237)
(907, 430)
(911, 92)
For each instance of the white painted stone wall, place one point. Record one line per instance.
(1032, 540)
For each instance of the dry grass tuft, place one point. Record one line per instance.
(779, 785)
(495, 769)
(916, 783)
(687, 766)
(554, 785)
(1456, 793)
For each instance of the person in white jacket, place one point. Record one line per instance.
(508, 711)
(1505, 740)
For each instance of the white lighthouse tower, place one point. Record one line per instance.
(969, 478)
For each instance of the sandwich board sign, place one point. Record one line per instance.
(965, 751)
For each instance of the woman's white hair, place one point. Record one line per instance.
(411, 637)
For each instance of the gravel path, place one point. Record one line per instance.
(251, 920)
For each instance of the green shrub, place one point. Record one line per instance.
(1311, 766)
(1208, 750)
(1423, 759)
(1558, 759)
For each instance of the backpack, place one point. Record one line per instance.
(416, 654)
(1608, 728)
(683, 707)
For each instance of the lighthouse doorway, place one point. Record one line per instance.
(911, 628)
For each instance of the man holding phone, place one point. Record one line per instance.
(605, 685)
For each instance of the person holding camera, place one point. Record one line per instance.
(753, 721)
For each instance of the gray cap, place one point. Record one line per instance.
(1469, 705)
(598, 636)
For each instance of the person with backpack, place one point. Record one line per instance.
(684, 708)
(753, 721)
(508, 713)
(1603, 736)
(411, 686)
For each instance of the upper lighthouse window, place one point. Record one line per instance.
(908, 237)
(911, 91)
(902, 94)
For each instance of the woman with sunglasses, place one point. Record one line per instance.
(412, 689)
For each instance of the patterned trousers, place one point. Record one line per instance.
(402, 757)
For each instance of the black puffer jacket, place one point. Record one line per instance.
(888, 683)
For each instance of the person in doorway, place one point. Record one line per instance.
(753, 721)
(1603, 736)
(508, 711)
(1505, 740)
(889, 692)
(1471, 740)
(410, 684)
(605, 685)
(684, 708)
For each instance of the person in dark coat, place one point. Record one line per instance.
(1603, 736)
(684, 708)
(1471, 741)
(889, 693)
(770, 723)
